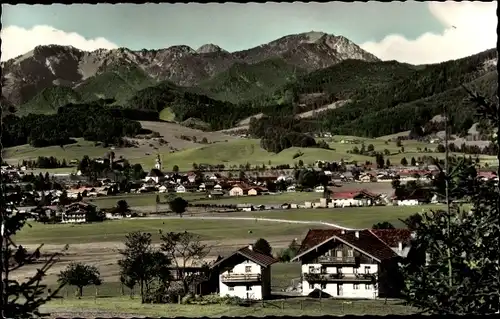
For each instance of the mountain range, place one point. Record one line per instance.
(295, 74)
(54, 65)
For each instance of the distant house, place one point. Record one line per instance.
(162, 189)
(354, 264)
(290, 189)
(216, 194)
(319, 189)
(238, 190)
(180, 189)
(155, 175)
(254, 191)
(354, 199)
(217, 187)
(245, 274)
(191, 177)
(78, 212)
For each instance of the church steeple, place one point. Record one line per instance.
(158, 162)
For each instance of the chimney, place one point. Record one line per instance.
(400, 246)
(250, 247)
(356, 233)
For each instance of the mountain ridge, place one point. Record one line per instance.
(44, 66)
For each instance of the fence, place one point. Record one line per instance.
(335, 306)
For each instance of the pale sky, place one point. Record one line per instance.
(412, 32)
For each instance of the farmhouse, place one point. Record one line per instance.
(239, 190)
(349, 264)
(77, 212)
(245, 274)
(353, 199)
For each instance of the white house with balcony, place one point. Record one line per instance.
(245, 274)
(347, 264)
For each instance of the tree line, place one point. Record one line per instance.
(90, 121)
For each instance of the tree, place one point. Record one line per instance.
(413, 161)
(388, 163)
(183, 249)
(370, 148)
(121, 208)
(20, 299)
(455, 269)
(175, 169)
(178, 205)
(142, 264)
(383, 225)
(80, 275)
(404, 162)
(379, 159)
(398, 143)
(263, 246)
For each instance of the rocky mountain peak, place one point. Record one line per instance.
(209, 48)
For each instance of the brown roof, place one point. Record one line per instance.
(367, 242)
(257, 257)
(393, 237)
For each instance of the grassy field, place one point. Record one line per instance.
(135, 200)
(292, 198)
(290, 307)
(112, 231)
(226, 150)
(352, 217)
(220, 230)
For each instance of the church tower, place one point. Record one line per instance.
(158, 162)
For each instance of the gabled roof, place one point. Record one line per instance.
(392, 237)
(257, 257)
(366, 242)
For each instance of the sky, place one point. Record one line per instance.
(411, 32)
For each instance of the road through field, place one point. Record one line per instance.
(276, 220)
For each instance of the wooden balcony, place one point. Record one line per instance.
(241, 278)
(338, 277)
(334, 260)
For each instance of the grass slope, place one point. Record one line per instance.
(244, 151)
(49, 100)
(117, 82)
(243, 82)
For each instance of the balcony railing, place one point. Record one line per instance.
(325, 277)
(337, 260)
(241, 278)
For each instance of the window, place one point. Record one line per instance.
(323, 286)
(338, 253)
(367, 269)
(311, 269)
(248, 268)
(339, 270)
(355, 270)
(355, 287)
(231, 289)
(368, 287)
(311, 286)
(350, 253)
(249, 288)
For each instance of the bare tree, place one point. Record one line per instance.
(184, 249)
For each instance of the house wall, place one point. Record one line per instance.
(252, 192)
(355, 290)
(236, 191)
(407, 202)
(364, 290)
(242, 290)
